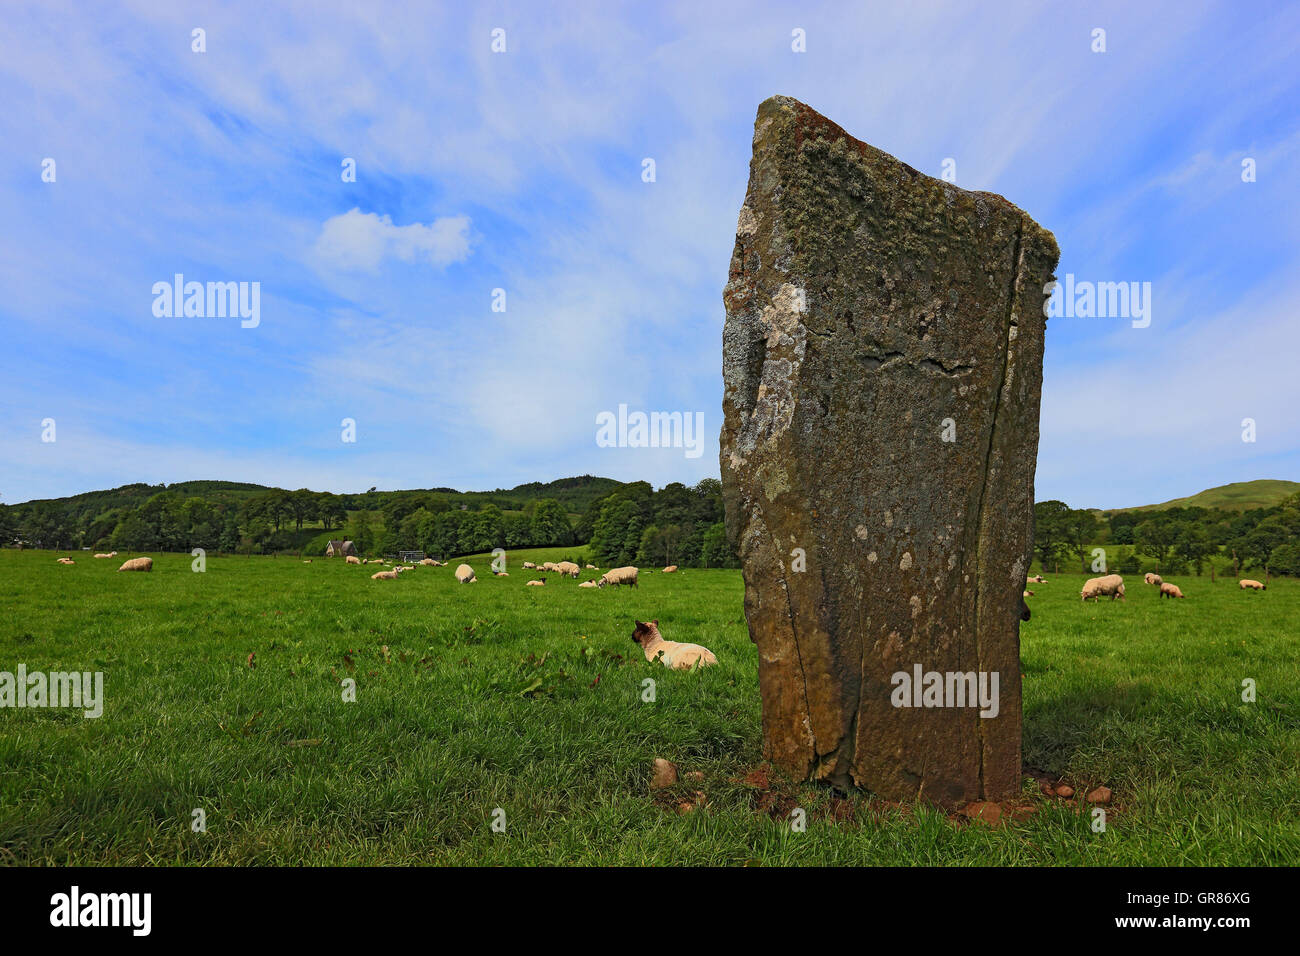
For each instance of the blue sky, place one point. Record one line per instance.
(522, 171)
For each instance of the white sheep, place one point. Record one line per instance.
(534, 584)
(352, 559)
(1111, 585)
(137, 564)
(619, 576)
(1155, 579)
(569, 568)
(1248, 584)
(465, 574)
(588, 584)
(385, 575)
(679, 657)
(1171, 591)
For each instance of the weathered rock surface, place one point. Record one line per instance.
(882, 361)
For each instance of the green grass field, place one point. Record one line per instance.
(493, 695)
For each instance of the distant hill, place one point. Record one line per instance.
(1238, 496)
(575, 494)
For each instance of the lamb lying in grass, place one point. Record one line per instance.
(385, 575)
(1037, 579)
(679, 657)
(137, 564)
(588, 584)
(534, 584)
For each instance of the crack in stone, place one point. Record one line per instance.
(984, 486)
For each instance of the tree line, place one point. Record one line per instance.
(618, 523)
(1176, 540)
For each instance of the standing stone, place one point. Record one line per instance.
(882, 362)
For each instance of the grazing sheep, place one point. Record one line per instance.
(385, 575)
(352, 559)
(1171, 591)
(529, 566)
(618, 577)
(549, 566)
(465, 574)
(137, 564)
(670, 569)
(534, 584)
(1248, 584)
(569, 568)
(1037, 579)
(1155, 579)
(588, 584)
(1112, 586)
(679, 657)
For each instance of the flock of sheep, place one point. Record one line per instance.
(1112, 586)
(130, 564)
(465, 574)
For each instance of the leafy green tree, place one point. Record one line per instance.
(550, 524)
(362, 532)
(1192, 545)
(1079, 530)
(1155, 539)
(229, 540)
(1051, 531)
(717, 551)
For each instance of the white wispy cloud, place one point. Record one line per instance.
(361, 241)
